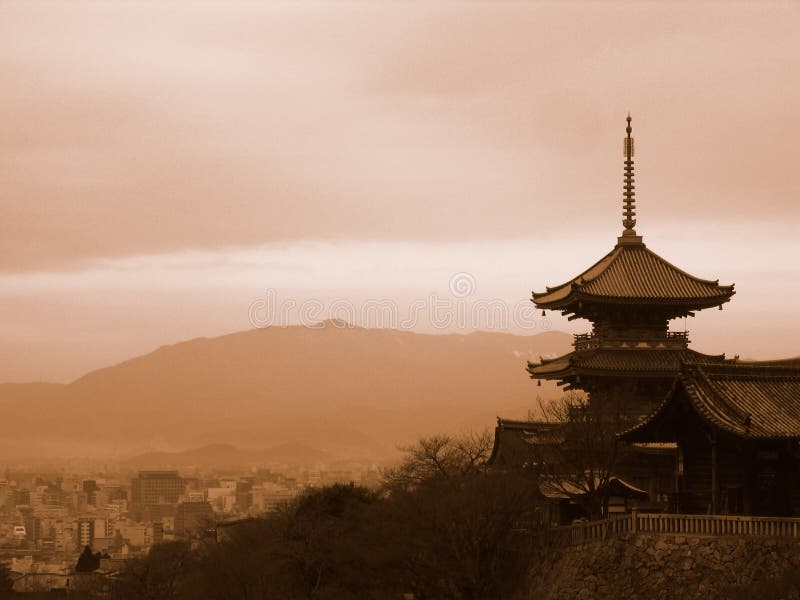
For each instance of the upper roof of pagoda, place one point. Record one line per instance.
(631, 273)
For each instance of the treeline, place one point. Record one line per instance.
(443, 526)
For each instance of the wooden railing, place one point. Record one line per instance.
(670, 339)
(717, 525)
(675, 524)
(682, 336)
(579, 533)
(585, 341)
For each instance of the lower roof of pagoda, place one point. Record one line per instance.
(603, 362)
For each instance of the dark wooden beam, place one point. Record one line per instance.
(714, 474)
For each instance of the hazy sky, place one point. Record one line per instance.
(163, 165)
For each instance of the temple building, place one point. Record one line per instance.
(628, 363)
(630, 356)
(737, 428)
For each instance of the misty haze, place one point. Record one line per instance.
(379, 300)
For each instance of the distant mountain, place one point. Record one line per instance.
(344, 392)
(227, 455)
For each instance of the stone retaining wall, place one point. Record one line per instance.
(660, 566)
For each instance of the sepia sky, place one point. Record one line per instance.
(163, 165)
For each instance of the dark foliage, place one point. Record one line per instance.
(443, 527)
(6, 581)
(168, 571)
(446, 538)
(328, 543)
(88, 561)
(460, 537)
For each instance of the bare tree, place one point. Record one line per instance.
(578, 454)
(440, 457)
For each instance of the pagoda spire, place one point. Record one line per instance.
(629, 236)
(629, 195)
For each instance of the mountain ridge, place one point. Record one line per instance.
(348, 392)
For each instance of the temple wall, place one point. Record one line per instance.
(631, 396)
(656, 566)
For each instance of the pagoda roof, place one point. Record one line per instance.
(633, 274)
(520, 442)
(534, 432)
(568, 488)
(749, 400)
(525, 424)
(611, 362)
(514, 440)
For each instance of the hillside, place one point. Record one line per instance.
(342, 391)
(226, 455)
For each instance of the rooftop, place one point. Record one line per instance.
(633, 274)
(612, 362)
(749, 400)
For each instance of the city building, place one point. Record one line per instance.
(90, 488)
(84, 532)
(222, 499)
(155, 494)
(244, 494)
(190, 517)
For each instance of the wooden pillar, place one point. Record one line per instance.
(749, 477)
(678, 474)
(714, 474)
(785, 479)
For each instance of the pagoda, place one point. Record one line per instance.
(630, 357)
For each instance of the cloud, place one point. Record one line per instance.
(136, 129)
(58, 325)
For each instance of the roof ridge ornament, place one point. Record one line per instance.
(629, 195)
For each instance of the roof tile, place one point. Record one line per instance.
(613, 361)
(749, 400)
(633, 273)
